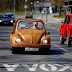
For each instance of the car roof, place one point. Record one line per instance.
(9, 13)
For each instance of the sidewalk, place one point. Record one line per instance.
(51, 21)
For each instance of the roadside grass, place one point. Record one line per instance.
(57, 16)
(36, 12)
(21, 13)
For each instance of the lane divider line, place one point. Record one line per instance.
(61, 48)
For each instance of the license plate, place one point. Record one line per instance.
(5, 22)
(31, 49)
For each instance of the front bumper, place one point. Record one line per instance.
(5, 23)
(32, 45)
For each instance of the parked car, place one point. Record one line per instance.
(28, 15)
(25, 37)
(11, 15)
(5, 20)
(66, 30)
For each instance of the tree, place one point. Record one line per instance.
(2, 6)
(59, 4)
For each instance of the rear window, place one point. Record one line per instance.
(29, 13)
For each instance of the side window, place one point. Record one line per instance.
(65, 22)
(68, 20)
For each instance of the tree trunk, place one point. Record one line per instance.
(60, 12)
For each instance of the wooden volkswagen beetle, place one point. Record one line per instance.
(29, 35)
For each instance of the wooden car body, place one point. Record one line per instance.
(32, 38)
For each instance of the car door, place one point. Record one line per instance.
(71, 25)
(63, 28)
(68, 27)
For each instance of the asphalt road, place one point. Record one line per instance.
(59, 60)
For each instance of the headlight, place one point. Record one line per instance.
(45, 41)
(42, 12)
(11, 21)
(18, 40)
(0, 21)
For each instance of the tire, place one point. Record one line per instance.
(13, 50)
(45, 50)
(17, 50)
(68, 41)
(12, 24)
(61, 40)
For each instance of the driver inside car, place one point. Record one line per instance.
(36, 25)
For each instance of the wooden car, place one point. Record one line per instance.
(29, 35)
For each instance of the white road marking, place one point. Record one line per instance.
(43, 67)
(57, 42)
(54, 35)
(10, 67)
(33, 68)
(61, 48)
(4, 42)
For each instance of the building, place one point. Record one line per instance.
(70, 5)
(39, 6)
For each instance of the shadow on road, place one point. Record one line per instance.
(56, 52)
(4, 48)
(52, 52)
(6, 25)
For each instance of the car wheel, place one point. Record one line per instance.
(13, 50)
(68, 41)
(61, 40)
(17, 50)
(45, 50)
(12, 24)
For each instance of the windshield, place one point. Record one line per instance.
(30, 25)
(28, 13)
(10, 15)
(4, 16)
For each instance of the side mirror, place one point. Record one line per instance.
(47, 32)
(12, 32)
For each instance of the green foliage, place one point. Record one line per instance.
(8, 5)
(58, 16)
(58, 3)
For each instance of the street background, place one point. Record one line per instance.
(59, 54)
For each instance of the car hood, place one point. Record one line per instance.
(6, 19)
(31, 36)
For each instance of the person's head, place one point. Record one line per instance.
(36, 24)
